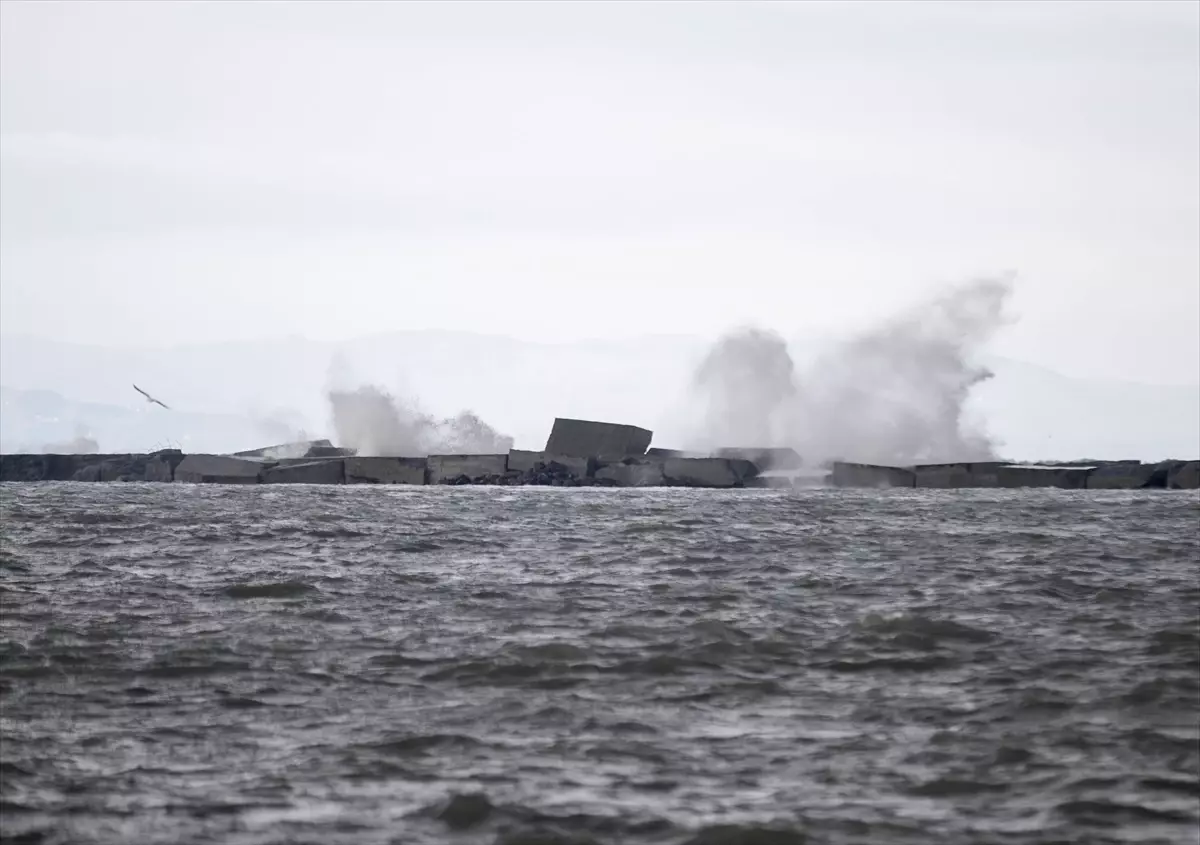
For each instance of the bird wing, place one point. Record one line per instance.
(164, 404)
(139, 390)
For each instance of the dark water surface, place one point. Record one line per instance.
(335, 664)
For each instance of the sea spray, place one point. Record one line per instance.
(374, 422)
(81, 444)
(894, 394)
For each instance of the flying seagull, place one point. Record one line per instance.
(150, 398)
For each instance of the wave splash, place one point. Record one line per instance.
(895, 394)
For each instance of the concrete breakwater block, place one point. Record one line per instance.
(718, 473)
(444, 469)
(157, 466)
(588, 438)
(950, 476)
(520, 460)
(708, 472)
(632, 473)
(162, 465)
(1061, 477)
(1185, 477)
(847, 474)
(306, 472)
(385, 470)
(218, 469)
(49, 467)
(1124, 475)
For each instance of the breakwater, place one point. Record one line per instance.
(1090, 475)
(583, 453)
(579, 453)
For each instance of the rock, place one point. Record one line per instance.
(218, 469)
(587, 438)
(385, 470)
(708, 472)
(1064, 477)
(309, 472)
(846, 474)
(632, 474)
(447, 469)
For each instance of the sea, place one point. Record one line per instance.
(545, 666)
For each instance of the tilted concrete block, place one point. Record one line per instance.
(311, 472)
(588, 438)
(444, 468)
(385, 470)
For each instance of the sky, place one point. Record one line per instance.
(187, 172)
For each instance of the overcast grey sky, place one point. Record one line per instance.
(205, 171)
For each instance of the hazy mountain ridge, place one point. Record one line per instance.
(226, 396)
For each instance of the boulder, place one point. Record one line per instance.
(846, 474)
(520, 460)
(587, 438)
(447, 469)
(632, 473)
(309, 472)
(708, 472)
(385, 470)
(218, 469)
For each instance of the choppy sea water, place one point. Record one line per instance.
(186, 664)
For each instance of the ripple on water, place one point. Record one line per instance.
(337, 665)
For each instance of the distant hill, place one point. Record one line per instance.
(227, 396)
